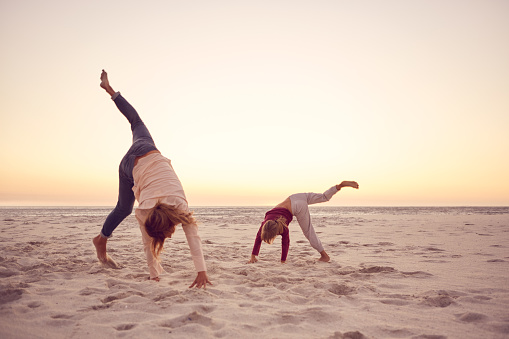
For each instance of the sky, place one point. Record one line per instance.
(256, 100)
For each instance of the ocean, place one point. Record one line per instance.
(259, 211)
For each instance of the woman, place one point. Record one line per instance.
(147, 176)
(277, 220)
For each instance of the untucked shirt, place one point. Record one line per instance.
(275, 214)
(156, 181)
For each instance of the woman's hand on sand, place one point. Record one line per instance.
(201, 280)
(252, 260)
(352, 184)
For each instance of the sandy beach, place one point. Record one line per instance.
(404, 273)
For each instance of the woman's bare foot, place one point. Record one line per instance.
(352, 184)
(104, 258)
(106, 84)
(324, 256)
(100, 247)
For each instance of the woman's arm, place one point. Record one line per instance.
(154, 266)
(194, 242)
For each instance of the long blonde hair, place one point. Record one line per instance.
(271, 229)
(161, 222)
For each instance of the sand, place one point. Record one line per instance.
(391, 276)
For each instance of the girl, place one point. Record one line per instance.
(277, 220)
(147, 176)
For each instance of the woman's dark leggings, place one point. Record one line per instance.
(142, 144)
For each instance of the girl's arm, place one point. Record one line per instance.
(285, 244)
(256, 247)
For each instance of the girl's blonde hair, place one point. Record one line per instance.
(161, 222)
(271, 229)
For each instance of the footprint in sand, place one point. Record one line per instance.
(34, 304)
(472, 317)
(61, 316)
(341, 289)
(438, 301)
(349, 335)
(125, 327)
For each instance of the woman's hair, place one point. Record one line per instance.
(161, 222)
(271, 229)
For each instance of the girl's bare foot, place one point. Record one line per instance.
(324, 256)
(352, 184)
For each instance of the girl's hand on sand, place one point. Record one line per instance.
(252, 260)
(352, 184)
(201, 280)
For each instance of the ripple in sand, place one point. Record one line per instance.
(418, 274)
(192, 318)
(395, 302)
(376, 269)
(10, 294)
(4, 272)
(500, 328)
(121, 295)
(348, 335)
(89, 291)
(166, 295)
(433, 249)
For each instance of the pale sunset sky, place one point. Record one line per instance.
(256, 100)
